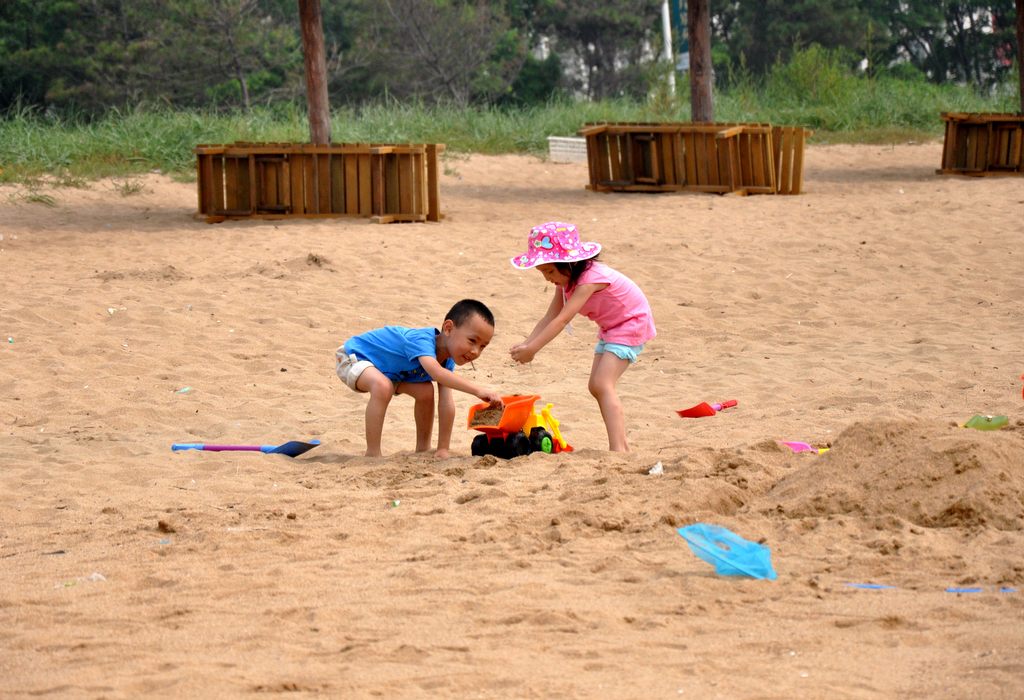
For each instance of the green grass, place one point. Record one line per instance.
(813, 90)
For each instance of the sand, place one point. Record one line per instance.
(872, 314)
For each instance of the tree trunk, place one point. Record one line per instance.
(698, 22)
(316, 71)
(1020, 50)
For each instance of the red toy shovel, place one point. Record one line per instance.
(706, 409)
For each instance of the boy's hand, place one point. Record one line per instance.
(522, 353)
(492, 398)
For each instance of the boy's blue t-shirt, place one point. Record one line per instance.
(396, 350)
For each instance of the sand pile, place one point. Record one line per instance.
(928, 473)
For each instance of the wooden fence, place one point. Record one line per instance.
(277, 180)
(982, 144)
(672, 157)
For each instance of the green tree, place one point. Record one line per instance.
(458, 51)
(611, 41)
(765, 32)
(92, 55)
(31, 59)
(226, 51)
(949, 40)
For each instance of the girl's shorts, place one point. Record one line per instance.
(625, 352)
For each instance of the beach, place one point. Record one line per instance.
(873, 315)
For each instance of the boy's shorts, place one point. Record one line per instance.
(625, 352)
(349, 368)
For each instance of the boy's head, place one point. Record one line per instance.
(467, 329)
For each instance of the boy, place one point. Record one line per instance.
(397, 360)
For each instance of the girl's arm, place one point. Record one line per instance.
(557, 301)
(544, 334)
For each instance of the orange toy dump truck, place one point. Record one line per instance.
(519, 430)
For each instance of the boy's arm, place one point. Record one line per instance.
(536, 341)
(446, 378)
(445, 419)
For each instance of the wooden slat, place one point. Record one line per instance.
(729, 133)
(297, 178)
(949, 144)
(668, 160)
(628, 170)
(614, 158)
(338, 184)
(592, 158)
(698, 157)
(417, 175)
(714, 189)
(391, 168)
(271, 184)
(689, 158)
(204, 177)
(310, 183)
(744, 145)
(960, 150)
(406, 188)
(644, 188)
(232, 196)
(1017, 150)
(797, 177)
(217, 183)
(973, 137)
(433, 184)
(785, 171)
(723, 156)
(762, 177)
(377, 186)
(365, 189)
(286, 185)
(351, 185)
(604, 154)
(242, 184)
(323, 174)
(653, 158)
(252, 183)
(711, 162)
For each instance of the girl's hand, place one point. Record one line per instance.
(522, 353)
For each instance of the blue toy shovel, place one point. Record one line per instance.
(292, 449)
(730, 554)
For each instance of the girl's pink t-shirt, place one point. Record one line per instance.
(620, 310)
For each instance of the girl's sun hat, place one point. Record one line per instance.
(554, 242)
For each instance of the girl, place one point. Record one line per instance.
(585, 286)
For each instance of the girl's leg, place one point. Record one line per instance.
(604, 374)
(380, 389)
(423, 410)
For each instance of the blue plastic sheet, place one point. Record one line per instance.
(730, 554)
(870, 586)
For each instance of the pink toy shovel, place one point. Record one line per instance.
(706, 409)
(802, 446)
